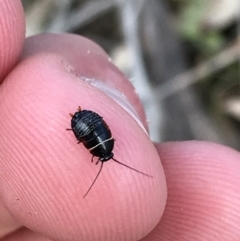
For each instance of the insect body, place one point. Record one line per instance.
(90, 129)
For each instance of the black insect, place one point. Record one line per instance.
(90, 129)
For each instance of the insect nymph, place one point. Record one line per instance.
(90, 129)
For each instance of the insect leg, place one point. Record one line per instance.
(97, 161)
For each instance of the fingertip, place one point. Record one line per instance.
(52, 173)
(203, 192)
(12, 34)
(90, 63)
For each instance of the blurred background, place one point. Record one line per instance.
(182, 56)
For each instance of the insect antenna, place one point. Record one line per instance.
(131, 168)
(94, 180)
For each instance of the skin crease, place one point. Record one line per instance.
(44, 173)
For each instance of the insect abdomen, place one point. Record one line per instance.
(90, 129)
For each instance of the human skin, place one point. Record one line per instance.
(44, 173)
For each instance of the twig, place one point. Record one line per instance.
(194, 75)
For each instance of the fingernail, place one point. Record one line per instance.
(118, 97)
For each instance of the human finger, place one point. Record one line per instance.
(203, 193)
(12, 28)
(51, 172)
